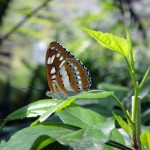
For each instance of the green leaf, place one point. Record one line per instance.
(117, 136)
(110, 41)
(3, 145)
(145, 139)
(94, 94)
(56, 108)
(130, 48)
(42, 142)
(117, 140)
(33, 110)
(91, 138)
(45, 108)
(80, 117)
(126, 136)
(107, 147)
(37, 136)
(41, 135)
(122, 123)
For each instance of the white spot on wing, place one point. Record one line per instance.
(77, 72)
(53, 70)
(61, 58)
(49, 60)
(54, 77)
(65, 79)
(62, 63)
(79, 82)
(52, 59)
(52, 48)
(78, 77)
(58, 55)
(75, 68)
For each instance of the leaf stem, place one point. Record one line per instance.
(144, 78)
(123, 109)
(132, 72)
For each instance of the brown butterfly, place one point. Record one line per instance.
(66, 76)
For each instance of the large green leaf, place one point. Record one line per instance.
(33, 110)
(80, 117)
(36, 136)
(91, 138)
(110, 41)
(41, 135)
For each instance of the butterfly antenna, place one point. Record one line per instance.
(28, 87)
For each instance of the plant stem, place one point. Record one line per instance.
(138, 125)
(132, 73)
(134, 105)
(134, 127)
(135, 118)
(136, 111)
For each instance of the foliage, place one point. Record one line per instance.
(39, 22)
(83, 128)
(34, 31)
(145, 140)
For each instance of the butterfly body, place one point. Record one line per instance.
(66, 75)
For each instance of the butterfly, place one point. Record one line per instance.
(66, 75)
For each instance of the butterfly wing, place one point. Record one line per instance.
(55, 57)
(66, 75)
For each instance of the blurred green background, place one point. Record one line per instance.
(27, 28)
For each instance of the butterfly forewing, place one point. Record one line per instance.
(55, 57)
(66, 75)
